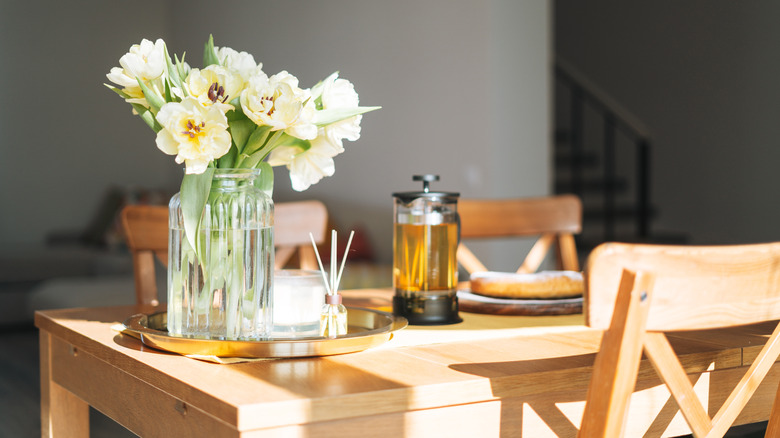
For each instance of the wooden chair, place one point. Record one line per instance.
(146, 233)
(554, 219)
(637, 292)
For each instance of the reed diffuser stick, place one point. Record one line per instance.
(344, 260)
(319, 262)
(333, 260)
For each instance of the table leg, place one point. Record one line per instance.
(62, 413)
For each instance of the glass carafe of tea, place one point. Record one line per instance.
(425, 241)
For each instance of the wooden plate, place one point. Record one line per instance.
(471, 302)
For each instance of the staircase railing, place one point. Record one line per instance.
(615, 119)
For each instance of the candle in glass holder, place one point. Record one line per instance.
(298, 299)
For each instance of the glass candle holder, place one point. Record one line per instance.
(298, 297)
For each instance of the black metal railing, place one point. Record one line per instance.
(616, 121)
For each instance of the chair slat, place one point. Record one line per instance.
(617, 363)
(567, 252)
(668, 366)
(552, 219)
(746, 386)
(537, 253)
(469, 261)
(504, 217)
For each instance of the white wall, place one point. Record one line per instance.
(464, 87)
(703, 75)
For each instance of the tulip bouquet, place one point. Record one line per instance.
(231, 115)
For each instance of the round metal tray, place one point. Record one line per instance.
(367, 328)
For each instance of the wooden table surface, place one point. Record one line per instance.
(488, 376)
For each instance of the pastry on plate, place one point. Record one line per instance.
(539, 285)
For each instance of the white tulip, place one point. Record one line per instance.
(242, 63)
(194, 133)
(214, 85)
(338, 94)
(306, 167)
(145, 61)
(279, 103)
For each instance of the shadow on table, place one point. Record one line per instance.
(556, 396)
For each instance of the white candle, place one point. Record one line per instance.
(298, 299)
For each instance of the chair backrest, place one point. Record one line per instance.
(293, 221)
(637, 292)
(555, 219)
(146, 233)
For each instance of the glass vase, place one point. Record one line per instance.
(226, 291)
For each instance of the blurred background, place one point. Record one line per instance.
(464, 87)
(476, 92)
(501, 98)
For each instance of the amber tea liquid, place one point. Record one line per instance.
(424, 259)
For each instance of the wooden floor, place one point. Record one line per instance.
(20, 392)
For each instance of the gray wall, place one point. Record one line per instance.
(64, 139)
(703, 75)
(464, 87)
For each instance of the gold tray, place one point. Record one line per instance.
(367, 328)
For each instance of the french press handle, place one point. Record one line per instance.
(426, 179)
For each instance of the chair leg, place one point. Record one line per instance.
(617, 363)
(567, 250)
(536, 255)
(773, 428)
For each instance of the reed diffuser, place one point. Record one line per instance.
(333, 319)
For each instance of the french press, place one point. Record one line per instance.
(425, 241)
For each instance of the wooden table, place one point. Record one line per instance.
(488, 376)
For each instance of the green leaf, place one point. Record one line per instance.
(168, 94)
(265, 181)
(155, 101)
(257, 139)
(289, 140)
(236, 102)
(236, 113)
(182, 73)
(278, 139)
(116, 90)
(147, 116)
(240, 130)
(328, 116)
(143, 112)
(250, 161)
(194, 193)
(228, 160)
(174, 74)
(209, 53)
